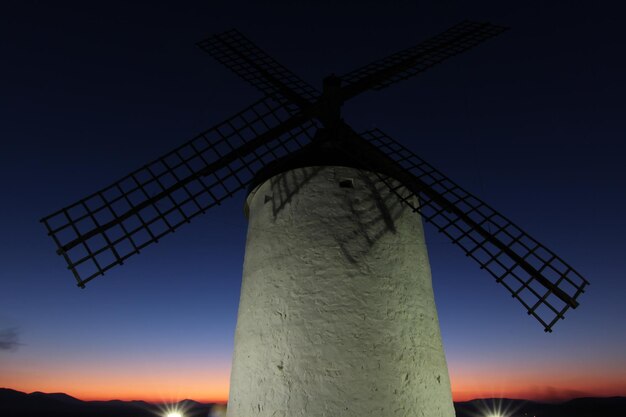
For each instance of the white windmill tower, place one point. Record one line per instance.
(337, 315)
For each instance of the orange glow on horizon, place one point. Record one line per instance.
(156, 384)
(544, 385)
(204, 392)
(209, 382)
(148, 390)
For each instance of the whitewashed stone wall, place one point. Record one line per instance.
(337, 315)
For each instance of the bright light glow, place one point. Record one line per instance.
(172, 410)
(495, 407)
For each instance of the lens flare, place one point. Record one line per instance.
(172, 410)
(495, 407)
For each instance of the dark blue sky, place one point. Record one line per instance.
(532, 122)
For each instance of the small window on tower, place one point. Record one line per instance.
(346, 183)
(268, 198)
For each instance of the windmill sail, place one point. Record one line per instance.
(244, 58)
(104, 229)
(534, 275)
(412, 61)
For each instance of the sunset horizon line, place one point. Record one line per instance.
(457, 397)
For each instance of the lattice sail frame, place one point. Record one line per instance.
(409, 62)
(539, 301)
(244, 58)
(104, 229)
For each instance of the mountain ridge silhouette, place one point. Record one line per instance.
(15, 403)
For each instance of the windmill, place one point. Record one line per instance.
(337, 314)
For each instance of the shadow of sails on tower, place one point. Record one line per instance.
(337, 314)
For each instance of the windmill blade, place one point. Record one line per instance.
(251, 63)
(410, 62)
(104, 229)
(545, 284)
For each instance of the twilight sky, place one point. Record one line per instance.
(532, 122)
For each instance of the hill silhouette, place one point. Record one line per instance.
(19, 404)
(579, 407)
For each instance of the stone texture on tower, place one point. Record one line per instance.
(337, 315)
